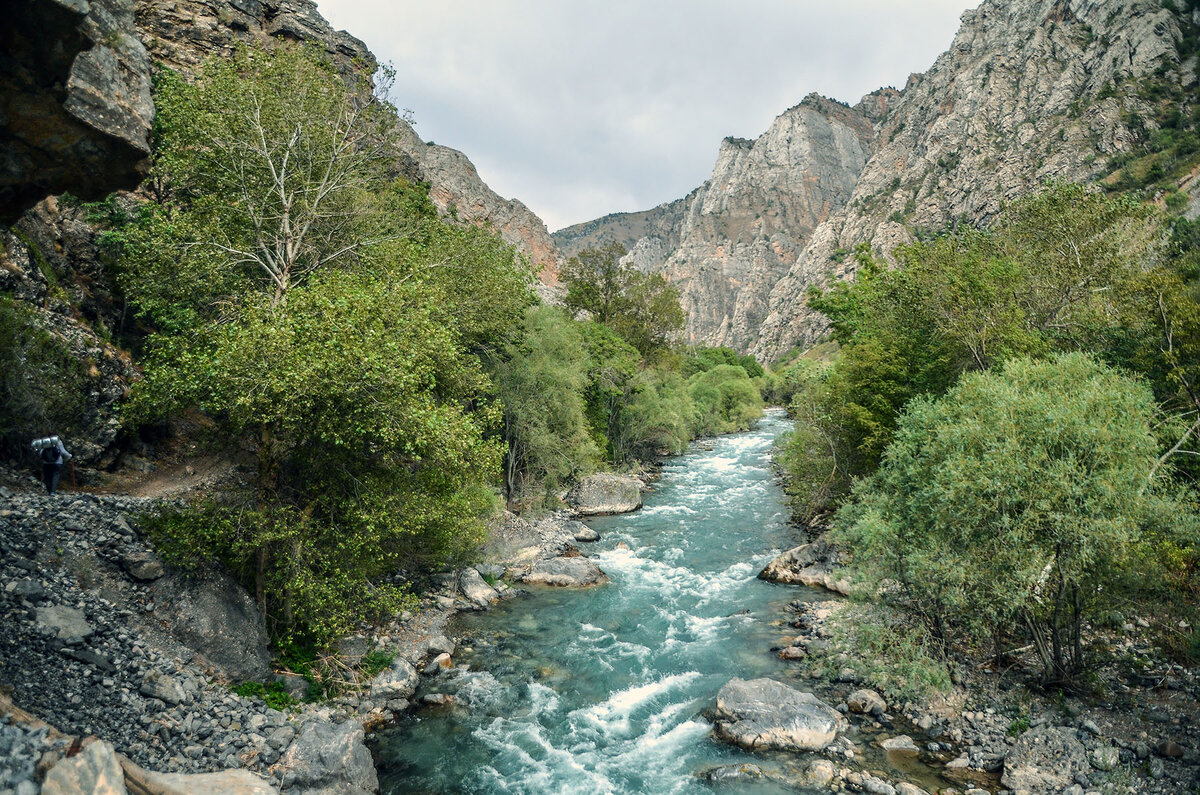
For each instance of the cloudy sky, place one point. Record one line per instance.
(580, 109)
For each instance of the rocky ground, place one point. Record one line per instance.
(996, 732)
(101, 639)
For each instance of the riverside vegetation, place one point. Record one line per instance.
(1004, 437)
(390, 373)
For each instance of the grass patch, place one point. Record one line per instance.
(275, 695)
(896, 658)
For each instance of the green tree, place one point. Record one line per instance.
(541, 377)
(641, 307)
(726, 400)
(1026, 497)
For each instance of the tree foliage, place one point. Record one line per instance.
(642, 307)
(1025, 497)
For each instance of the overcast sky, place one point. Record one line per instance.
(580, 109)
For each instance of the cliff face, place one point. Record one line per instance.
(727, 243)
(75, 101)
(1029, 91)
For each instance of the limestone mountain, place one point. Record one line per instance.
(1029, 91)
(728, 242)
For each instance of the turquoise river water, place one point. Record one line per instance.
(603, 690)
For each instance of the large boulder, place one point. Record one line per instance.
(570, 572)
(75, 100)
(475, 589)
(68, 624)
(329, 758)
(1045, 759)
(214, 617)
(398, 680)
(786, 567)
(93, 771)
(605, 493)
(762, 713)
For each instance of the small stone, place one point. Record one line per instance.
(902, 744)
(866, 701)
(819, 773)
(1105, 757)
(1169, 749)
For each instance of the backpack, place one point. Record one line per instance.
(50, 454)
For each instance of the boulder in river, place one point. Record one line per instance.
(808, 564)
(475, 589)
(605, 493)
(571, 572)
(762, 713)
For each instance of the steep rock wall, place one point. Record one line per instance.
(1026, 93)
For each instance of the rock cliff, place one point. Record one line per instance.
(1029, 91)
(75, 107)
(727, 243)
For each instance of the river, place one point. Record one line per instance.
(602, 690)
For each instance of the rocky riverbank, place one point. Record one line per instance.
(994, 731)
(118, 652)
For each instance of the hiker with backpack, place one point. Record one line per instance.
(53, 455)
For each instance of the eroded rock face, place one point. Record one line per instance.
(728, 243)
(1019, 98)
(213, 616)
(74, 100)
(605, 493)
(762, 713)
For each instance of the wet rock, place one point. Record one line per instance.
(65, 623)
(475, 589)
(903, 744)
(605, 493)
(818, 774)
(399, 680)
(763, 713)
(866, 702)
(93, 771)
(1044, 759)
(732, 774)
(572, 572)
(330, 757)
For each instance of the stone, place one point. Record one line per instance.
(475, 589)
(26, 588)
(226, 782)
(1043, 759)
(441, 662)
(605, 493)
(905, 788)
(573, 572)
(1169, 749)
(398, 680)
(433, 646)
(93, 771)
(164, 688)
(902, 744)
(142, 566)
(68, 624)
(818, 774)
(785, 568)
(762, 713)
(331, 757)
(732, 775)
(214, 616)
(1105, 757)
(866, 702)
(793, 653)
(586, 534)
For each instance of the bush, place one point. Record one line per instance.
(1023, 498)
(726, 400)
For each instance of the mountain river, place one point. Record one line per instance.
(603, 690)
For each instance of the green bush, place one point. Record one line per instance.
(1024, 499)
(726, 400)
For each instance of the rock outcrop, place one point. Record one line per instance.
(726, 244)
(74, 101)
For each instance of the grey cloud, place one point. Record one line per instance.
(582, 109)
